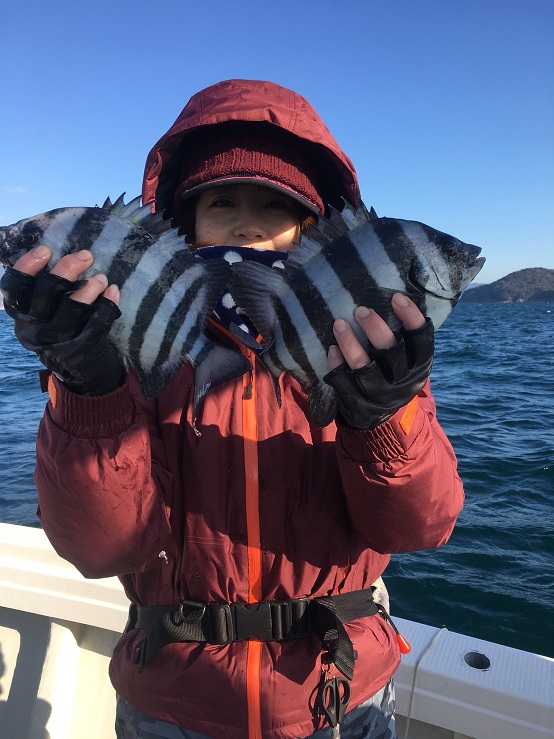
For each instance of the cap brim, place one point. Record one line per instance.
(250, 180)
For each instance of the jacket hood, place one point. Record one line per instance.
(249, 100)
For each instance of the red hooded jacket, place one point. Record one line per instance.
(263, 505)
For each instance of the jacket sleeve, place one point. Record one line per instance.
(400, 480)
(101, 481)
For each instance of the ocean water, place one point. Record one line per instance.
(493, 380)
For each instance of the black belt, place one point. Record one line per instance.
(264, 621)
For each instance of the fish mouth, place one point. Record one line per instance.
(473, 270)
(477, 266)
(472, 265)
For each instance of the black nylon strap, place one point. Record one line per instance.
(332, 613)
(265, 621)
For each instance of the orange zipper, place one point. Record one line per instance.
(254, 549)
(250, 436)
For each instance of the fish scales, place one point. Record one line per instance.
(296, 319)
(293, 342)
(152, 309)
(58, 229)
(379, 255)
(86, 230)
(116, 238)
(353, 259)
(296, 316)
(381, 264)
(182, 336)
(134, 291)
(167, 293)
(322, 276)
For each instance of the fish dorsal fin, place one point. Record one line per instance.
(325, 232)
(363, 215)
(118, 203)
(342, 219)
(132, 211)
(350, 218)
(156, 225)
(307, 249)
(339, 223)
(142, 216)
(171, 241)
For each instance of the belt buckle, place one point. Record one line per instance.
(252, 621)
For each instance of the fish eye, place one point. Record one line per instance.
(29, 239)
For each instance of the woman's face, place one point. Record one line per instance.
(246, 215)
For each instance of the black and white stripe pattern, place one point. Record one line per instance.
(353, 259)
(167, 293)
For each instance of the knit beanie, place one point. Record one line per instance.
(239, 152)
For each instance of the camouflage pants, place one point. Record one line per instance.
(374, 719)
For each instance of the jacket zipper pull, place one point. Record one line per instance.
(248, 388)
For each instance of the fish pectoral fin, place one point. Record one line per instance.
(216, 366)
(252, 286)
(244, 337)
(322, 401)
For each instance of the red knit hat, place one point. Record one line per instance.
(246, 152)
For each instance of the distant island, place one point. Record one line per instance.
(535, 284)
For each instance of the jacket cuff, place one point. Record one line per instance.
(90, 416)
(387, 441)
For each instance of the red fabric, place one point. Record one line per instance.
(250, 100)
(121, 480)
(240, 150)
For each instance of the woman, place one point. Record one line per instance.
(247, 545)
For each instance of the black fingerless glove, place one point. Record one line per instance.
(371, 394)
(70, 338)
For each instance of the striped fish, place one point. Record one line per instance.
(352, 259)
(167, 293)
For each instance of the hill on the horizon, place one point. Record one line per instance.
(531, 284)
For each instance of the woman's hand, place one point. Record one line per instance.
(70, 267)
(380, 336)
(372, 385)
(66, 323)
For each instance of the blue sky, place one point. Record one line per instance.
(445, 106)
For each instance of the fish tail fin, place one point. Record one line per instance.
(152, 380)
(215, 365)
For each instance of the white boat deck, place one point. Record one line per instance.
(57, 632)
